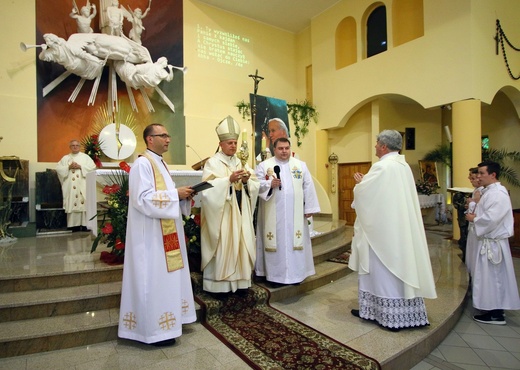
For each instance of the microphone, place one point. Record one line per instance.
(197, 154)
(277, 172)
(199, 165)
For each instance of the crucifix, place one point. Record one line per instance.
(256, 78)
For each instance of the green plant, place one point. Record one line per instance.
(443, 154)
(192, 231)
(92, 146)
(426, 188)
(507, 174)
(114, 218)
(302, 114)
(244, 109)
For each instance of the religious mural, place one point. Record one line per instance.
(266, 109)
(107, 62)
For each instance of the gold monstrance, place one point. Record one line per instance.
(243, 155)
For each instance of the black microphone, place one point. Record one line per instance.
(277, 171)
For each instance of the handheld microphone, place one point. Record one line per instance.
(277, 172)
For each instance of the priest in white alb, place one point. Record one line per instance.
(72, 172)
(157, 297)
(287, 199)
(389, 249)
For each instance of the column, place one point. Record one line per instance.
(466, 145)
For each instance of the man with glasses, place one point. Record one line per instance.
(156, 297)
(72, 172)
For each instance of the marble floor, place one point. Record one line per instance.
(469, 345)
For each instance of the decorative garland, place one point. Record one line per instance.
(500, 37)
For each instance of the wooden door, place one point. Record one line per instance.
(346, 189)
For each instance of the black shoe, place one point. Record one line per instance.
(395, 330)
(272, 284)
(219, 296)
(488, 318)
(242, 292)
(354, 312)
(164, 343)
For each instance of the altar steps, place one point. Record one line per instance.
(64, 309)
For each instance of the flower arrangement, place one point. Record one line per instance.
(113, 224)
(92, 146)
(426, 188)
(192, 234)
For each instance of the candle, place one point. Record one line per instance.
(263, 143)
(244, 135)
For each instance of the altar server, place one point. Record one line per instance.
(494, 287)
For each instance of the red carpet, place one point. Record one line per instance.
(266, 338)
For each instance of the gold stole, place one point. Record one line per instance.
(270, 214)
(172, 247)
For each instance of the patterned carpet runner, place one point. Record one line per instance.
(342, 258)
(266, 338)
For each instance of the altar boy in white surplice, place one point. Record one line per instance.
(157, 297)
(283, 243)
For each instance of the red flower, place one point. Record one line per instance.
(111, 189)
(124, 166)
(108, 228)
(119, 244)
(97, 162)
(196, 219)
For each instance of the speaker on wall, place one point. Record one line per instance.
(409, 138)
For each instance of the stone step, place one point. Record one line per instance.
(53, 333)
(26, 336)
(326, 272)
(62, 310)
(11, 284)
(59, 301)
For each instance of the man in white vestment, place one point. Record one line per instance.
(227, 233)
(283, 243)
(156, 297)
(494, 287)
(72, 172)
(389, 249)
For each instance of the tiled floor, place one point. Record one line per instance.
(475, 346)
(469, 345)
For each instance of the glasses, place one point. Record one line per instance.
(162, 136)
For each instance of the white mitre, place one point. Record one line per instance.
(228, 129)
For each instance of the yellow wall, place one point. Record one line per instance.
(454, 60)
(500, 123)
